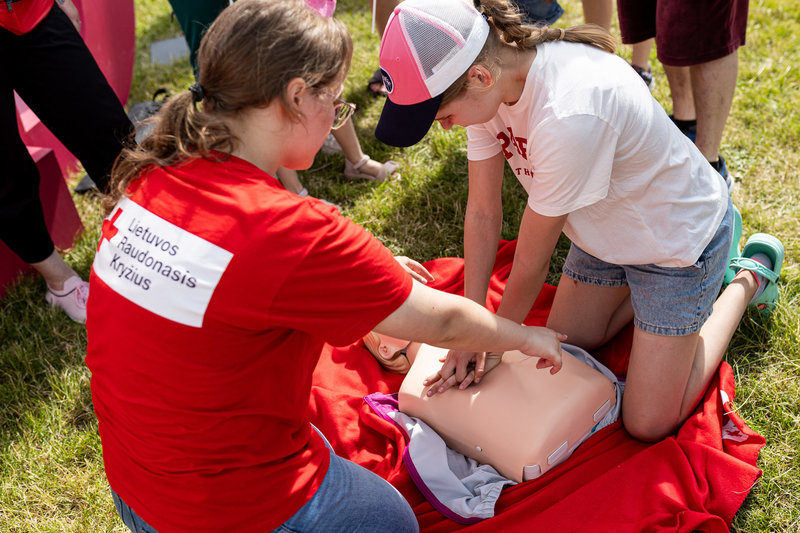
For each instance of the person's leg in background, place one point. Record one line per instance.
(83, 113)
(640, 61)
(683, 113)
(637, 24)
(22, 224)
(598, 12)
(713, 87)
(357, 164)
(194, 17)
(698, 45)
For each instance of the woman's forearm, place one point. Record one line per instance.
(449, 321)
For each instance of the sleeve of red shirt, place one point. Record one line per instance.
(344, 284)
(21, 17)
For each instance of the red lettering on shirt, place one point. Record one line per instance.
(520, 144)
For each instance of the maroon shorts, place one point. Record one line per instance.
(687, 32)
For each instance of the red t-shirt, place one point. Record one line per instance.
(212, 293)
(22, 16)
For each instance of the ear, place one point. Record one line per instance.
(296, 91)
(479, 76)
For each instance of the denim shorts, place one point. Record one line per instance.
(670, 301)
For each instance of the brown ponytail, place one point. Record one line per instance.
(509, 27)
(246, 59)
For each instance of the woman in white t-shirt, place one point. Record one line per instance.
(650, 221)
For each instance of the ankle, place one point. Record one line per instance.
(56, 283)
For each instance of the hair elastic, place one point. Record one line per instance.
(561, 37)
(198, 93)
(477, 4)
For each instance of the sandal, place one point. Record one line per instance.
(353, 170)
(376, 79)
(735, 252)
(772, 248)
(389, 351)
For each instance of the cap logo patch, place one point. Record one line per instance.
(387, 81)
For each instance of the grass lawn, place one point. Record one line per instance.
(51, 470)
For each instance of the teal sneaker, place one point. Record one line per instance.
(735, 252)
(772, 248)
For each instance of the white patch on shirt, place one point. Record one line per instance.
(158, 265)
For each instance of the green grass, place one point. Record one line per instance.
(51, 472)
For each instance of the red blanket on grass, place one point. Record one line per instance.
(694, 480)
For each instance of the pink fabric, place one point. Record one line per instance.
(694, 480)
(323, 7)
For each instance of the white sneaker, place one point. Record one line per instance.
(72, 298)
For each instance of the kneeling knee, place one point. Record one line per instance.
(648, 430)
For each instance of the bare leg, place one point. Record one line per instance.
(598, 12)
(641, 53)
(667, 376)
(680, 85)
(348, 140)
(54, 271)
(383, 10)
(589, 326)
(713, 86)
(290, 180)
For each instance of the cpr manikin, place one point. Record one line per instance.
(521, 420)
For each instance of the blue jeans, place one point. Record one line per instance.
(129, 516)
(350, 498)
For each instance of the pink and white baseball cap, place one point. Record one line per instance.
(427, 45)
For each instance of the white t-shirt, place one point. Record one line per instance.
(586, 138)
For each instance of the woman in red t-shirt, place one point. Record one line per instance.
(214, 290)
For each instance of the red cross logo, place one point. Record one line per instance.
(109, 229)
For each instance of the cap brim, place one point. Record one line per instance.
(406, 125)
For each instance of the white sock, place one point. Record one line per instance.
(762, 282)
